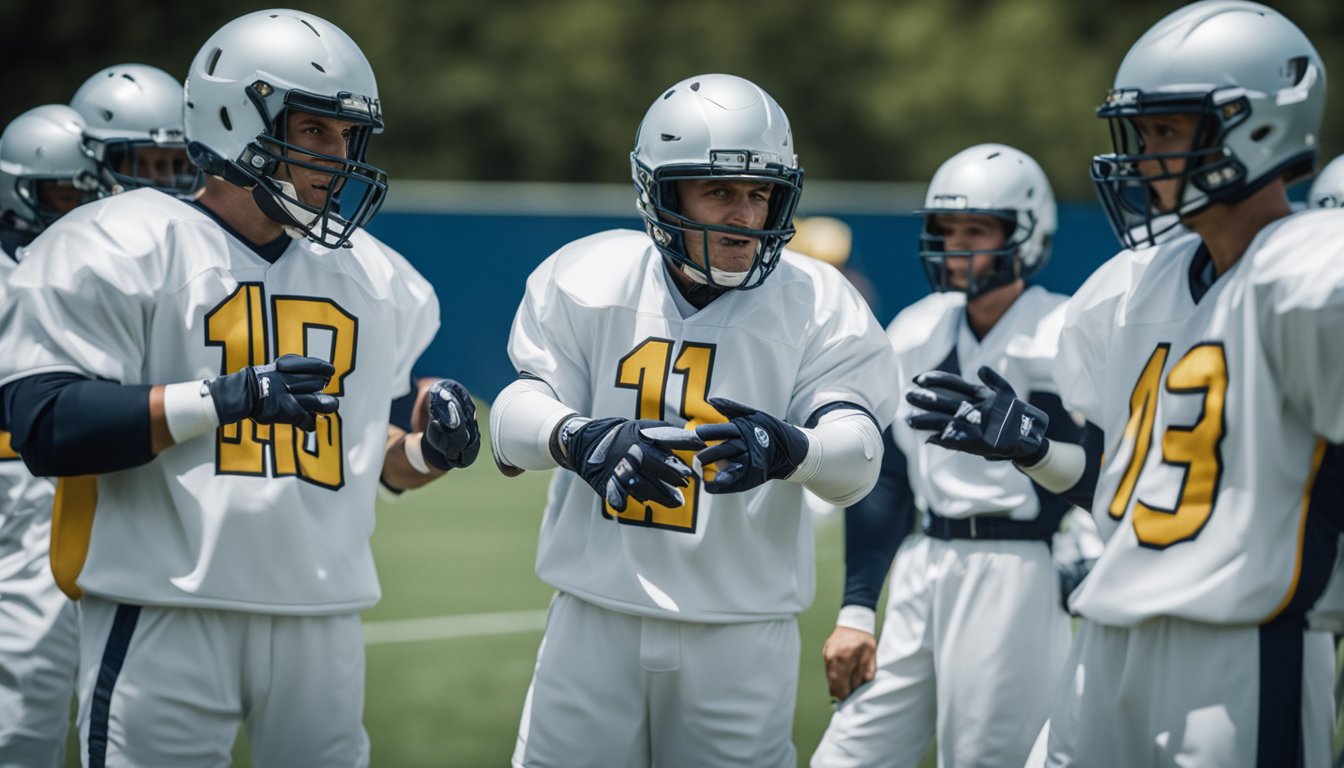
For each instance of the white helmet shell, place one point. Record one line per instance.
(44, 143)
(1327, 191)
(128, 107)
(1001, 181)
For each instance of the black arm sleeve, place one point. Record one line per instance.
(875, 527)
(1063, 429)
(65, 424)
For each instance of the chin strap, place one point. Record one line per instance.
(722, 278)
(700, 293)
(280, 210)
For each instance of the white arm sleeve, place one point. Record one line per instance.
(521, 422)
(1060, 469)
(844, 457)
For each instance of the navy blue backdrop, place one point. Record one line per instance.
(479, 263)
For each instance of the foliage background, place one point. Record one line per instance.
(552, 90)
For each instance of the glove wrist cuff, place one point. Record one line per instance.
(189, 409)
(561, 436)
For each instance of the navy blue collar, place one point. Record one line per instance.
(271, 251)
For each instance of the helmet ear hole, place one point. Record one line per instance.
(224, 118)
(1260, 133)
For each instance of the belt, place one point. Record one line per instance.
(988, 526)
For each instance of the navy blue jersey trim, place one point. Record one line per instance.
(271, 251)
(1279, 733)
(1322, 528)
(114, 655)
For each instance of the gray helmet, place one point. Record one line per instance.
(239, 92)
(40, 145)
(721, 127)
(128, 109)
(1254, 81)
(999, 181)
(1327, 191)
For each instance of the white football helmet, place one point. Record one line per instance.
(1327, 191)
(995, 180)
(43, 145)
(1258, 88)
(722, 127)
(133, 116)
(241, 87)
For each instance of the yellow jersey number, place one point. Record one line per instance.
(646, 370)
(1202, 371)
(240, 325)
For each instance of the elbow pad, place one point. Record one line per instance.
(844, 457)
(522, 420)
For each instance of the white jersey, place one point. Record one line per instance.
(23, 498)
(600, 325)
(143, 288)
(926, 335)
(1216, 415)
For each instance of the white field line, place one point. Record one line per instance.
(450, 627)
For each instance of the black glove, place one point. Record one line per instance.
(756, 447)
(453, 438)
(986, 421)
(620, 458)
(286, 391)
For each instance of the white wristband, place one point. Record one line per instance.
(190, 410)
(858, 617)
(415, 453)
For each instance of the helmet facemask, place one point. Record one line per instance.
(159, 161)
(669, 228)
(1006, 267)
(40, 215)
(1207, 173)
(356, 189)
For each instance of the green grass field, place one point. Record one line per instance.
(459, 551)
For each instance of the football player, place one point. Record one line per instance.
(44, 175)
(974, 636)
(133, 130)
(673, 638)
(1211, 361)
(212, 380)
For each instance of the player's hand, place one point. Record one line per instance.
(624, 459)
(851, 660)
(452, 438)
(287, 391)
(987, 421)
(756, 447)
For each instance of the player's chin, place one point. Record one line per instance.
(733, 257)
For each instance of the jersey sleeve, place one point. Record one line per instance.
(545, 341)
(1079, 341)
(847, 358)
(1301, 322)
(419, 318)
(79, 302)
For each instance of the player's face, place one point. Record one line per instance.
(969, 232)
(1163, 134)
(320, 135)
(160, 166)
(59, 196)
(743, 204)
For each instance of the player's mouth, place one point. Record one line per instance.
(734, 242)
